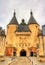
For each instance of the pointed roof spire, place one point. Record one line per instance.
(13, 20)
(14, 13)
(32, 19)
(22, 20)
(31, 12)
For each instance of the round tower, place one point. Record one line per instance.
(11, 27)
(33, 25)
(10, 38)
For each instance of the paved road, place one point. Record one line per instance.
(9, 60)
(21, 61)
(36, 61)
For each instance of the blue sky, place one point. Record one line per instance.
(22, 9)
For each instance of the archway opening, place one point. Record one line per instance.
(23, 53)
(31, 53)
(14, 53)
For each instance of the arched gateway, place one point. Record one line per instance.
(22, 52)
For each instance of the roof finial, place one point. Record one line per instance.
(31, 12)
(22, 20)
(14, 12)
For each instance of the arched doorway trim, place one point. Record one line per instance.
(22, 52)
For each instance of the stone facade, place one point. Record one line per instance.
(23, 39)
(2, 41)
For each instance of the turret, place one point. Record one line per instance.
(34, 27)
(11, 27)
(32, 23)
(10, 37)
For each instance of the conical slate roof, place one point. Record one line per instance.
(32, 20)
(22, 27)
(13, 20)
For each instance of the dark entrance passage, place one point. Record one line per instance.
(23, 53)
(14, 53)
(31, 53)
